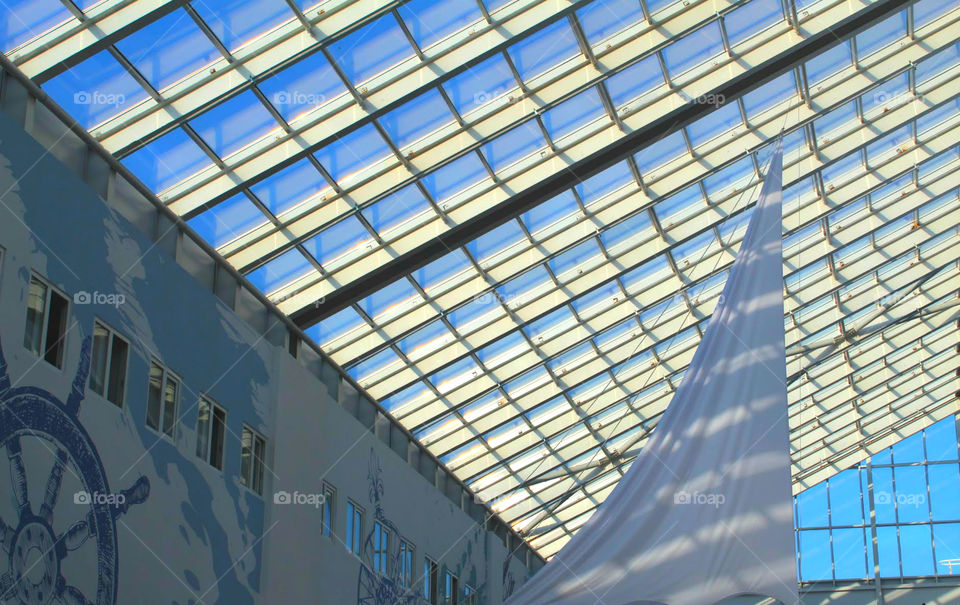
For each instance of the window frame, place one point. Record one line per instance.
(112, 335)
(381, 548)
(354, 522)
(327, 509)
(405, 573)
(166, 376)
(451, 588)
(45, 320)
(250, 479)
(431, 581)
(208, 443)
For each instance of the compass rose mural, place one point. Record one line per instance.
(374, 588)
(35, 553)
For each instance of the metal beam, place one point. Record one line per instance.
(593, 164)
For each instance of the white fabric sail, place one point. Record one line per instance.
(704, 513)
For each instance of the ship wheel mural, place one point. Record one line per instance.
(35, 552)
(374, 588)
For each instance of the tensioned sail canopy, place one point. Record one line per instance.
(705, 511)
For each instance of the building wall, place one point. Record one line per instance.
(188, 532)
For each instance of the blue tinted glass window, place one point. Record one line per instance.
(227, 220)
(236, 22)
(480, 84)
(306, 84)
(430, 21)
(371, 49)
(168, 49)
(95, 89)
(166, 160)
(550, 46)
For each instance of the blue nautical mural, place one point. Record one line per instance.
(374, 588)
(35, 551)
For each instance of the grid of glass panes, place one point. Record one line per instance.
(501, 355)
(916, 520)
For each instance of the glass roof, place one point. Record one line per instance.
(535, 358)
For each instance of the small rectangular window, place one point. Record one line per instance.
(253, 451)
(108, 364)
(326, 519)
(354, 528)
(406, 563)
(46, 328)
(162, 399)
(450, 589)
(469, 595)
(211, 430)
(431, 580)
(381, 547)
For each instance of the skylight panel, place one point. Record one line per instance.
(454, 177)
(23, 20)
(95, 89)
(280, 271)
(640, 278)
(660, 152)
(889, 91)
(833, 174)
(692, 251)
(168, 49)
(615, 334)
(889, 142)
(461, 317)
(396, 208)
(600, 20)
(574, 258)
(336, 325)
(540, 329)
(441, 269)
(481, 84)
(550, 211)
(517, 143)
(600, 297)
(891, 187)
(828, 122)
(655, 6)
(167, 160)
(495, 240)
(632, 229)
(372, 365)
(679, 205)
(937, 116)
(751, 18)
(518, 289)
(227, 220)
(430, 21)
(499, 350)
(349, 154)
(281, 191)
(337, 240)
(308, 83)
(559, 364)
(938, 63)
(454, 375)
(717, 122)
(430, 333)
(926, 11)
(724, 181)
(603, 183)
(237, 22)
(828, 63)
(886, 32)
(932, 165)
(372, 49)
(573, 113)
(641, 77)
(234, 124)
(416, 118)
(388, 298)
(545, 49)
(770, 94)
(693, 49)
